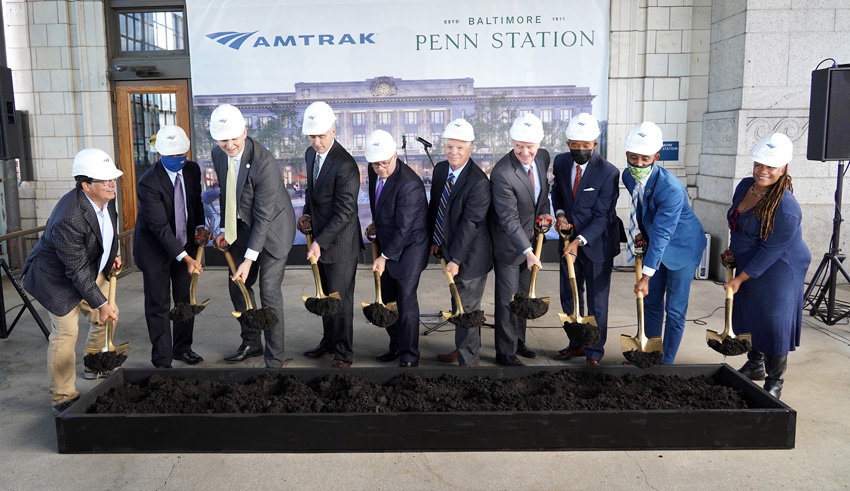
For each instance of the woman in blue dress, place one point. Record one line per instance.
(772, 259)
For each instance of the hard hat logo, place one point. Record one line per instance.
(770, 145)
(642, 135)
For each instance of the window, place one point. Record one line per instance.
(359, 142)
(546, 115)
(151, 31)
(566, 114)
(358, 119)
(411, 117)
(385, 119)
(436, 117)
(249, 121)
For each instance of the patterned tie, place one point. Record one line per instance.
(439, 238)
(230, 206)
(378, 191)
(316, 163)
(531, 178)
(633, 224)
(179, 211)
(577, 181)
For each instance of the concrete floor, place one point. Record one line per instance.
(817, 386)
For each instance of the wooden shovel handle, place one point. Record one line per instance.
(452, 287)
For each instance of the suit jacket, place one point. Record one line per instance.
(400, 220)
(156, 245)
(62, 268)
(465, 224)
(593, 211)
(331, 203)
(263, 204)
(674, 235)
(514, 211)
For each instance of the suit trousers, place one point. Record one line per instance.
(468, 341)
(510, 329)
(338, 330)
(270, 271)
(174, 278)
(404, 333)
(677, 287)
(595, 279)
(61, 350)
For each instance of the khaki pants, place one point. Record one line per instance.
(61, 351)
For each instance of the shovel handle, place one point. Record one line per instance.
(534, 269)
(229, 257)
(452, 287)
(571, 269)
(198, 256)
(314, 265)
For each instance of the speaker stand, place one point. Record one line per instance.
(4, 330)
(820, 295)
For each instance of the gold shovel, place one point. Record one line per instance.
(123, 348)
(727, 330)
(390, 310)
(321, 304)
(575, 318)
(529, 306)
(640, 342)
(195, 274)
(99, 361)
(245, 295)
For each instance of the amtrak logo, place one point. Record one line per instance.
(770, 145)
(235, 40)
(457, 125)
(171, 137)
(231, 39)
(311, 118)
(376, 144)
(642, 135)
(527, 125)
(580, 124)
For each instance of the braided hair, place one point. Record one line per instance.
(765, 209)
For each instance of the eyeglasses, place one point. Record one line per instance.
(385, 164)
(103, 181)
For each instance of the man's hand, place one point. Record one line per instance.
(117, 264)
(531, 260)
(642, 286)
(562, 224)
(379, 265)
(305, 224)
(545, 220)
(314, 250)
(242, 271)
(107, 312)
(435, 250)
(451, 268)
(572, 248)
(370, 230)
(220, 242)
(192, 265)
(202, 235)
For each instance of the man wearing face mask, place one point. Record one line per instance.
(170, 214)
(674, 236)
(584, 196)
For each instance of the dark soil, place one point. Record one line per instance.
(643, 359)
(583, 333)
(468, 320)
(184, 312)
(379, 315)
(528, 308)
(103, 361)
(340, 393)
(323, 306)
(259, 320)
(730, 346)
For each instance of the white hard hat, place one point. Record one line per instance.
(773, 150)
(95, 163)
(319, 118)
(644, 139)
(226, 122)
(583, 128)
(527, 128)
(459, 129)
(380, 146)
(171, 140)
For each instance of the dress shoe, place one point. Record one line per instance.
(62, 406)
(569, 353)
(189, 357)
(317, 351)
(592, 363)
(340, 364)
(526, 352)
(408, 364)
(509, 361)
(242, 353)
(390, 355)
(448, 357)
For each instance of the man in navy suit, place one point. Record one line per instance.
(66, 270)
(674, 236)
(330, 214)
(170, 214)
(457, 217)
(397, 199)
(584, 196)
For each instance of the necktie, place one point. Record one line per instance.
(577, 181)
(316, 164)
(230, 206)
(439, 238)
(633, 224)
(531, 178)
(179, 211)
(378, 190)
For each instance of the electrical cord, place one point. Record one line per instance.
(834, 63)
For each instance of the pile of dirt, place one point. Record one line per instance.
(566, 390)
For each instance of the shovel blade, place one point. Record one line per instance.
(236, 314)
(745, 337)
(565, 318)
(628, 343)
(363, 305)
(333, 295)
(304, 298)
(713, 335)
(654, 344)
(591, 320)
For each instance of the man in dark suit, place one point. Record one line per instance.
(330, 213)
(674, 236)
(520, 196)
(457, 221)
(258, 223)
(66, 270)
(170, 214)
(397, 199)
(584, 195)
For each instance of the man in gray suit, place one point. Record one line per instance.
(258, 223)
(520, 196)
(66, 270)
(330, 214)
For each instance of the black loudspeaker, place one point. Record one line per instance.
(829, 114)
(10, 147)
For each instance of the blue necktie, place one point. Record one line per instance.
(637, 193)
(179, 211)
(439, 238)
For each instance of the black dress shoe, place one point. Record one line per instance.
(526, 352)
(317, 351)
(62, 406)
(242, 353)
(390, 355)
(509, 361)
(189, 357)
(408, 364)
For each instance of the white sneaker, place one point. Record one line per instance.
(91, 375)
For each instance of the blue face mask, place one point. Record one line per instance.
(174, 164)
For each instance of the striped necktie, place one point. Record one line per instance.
(316, 168)
(637, 194)
(439, 238)
(577, 181)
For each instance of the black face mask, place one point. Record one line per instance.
(581, 157)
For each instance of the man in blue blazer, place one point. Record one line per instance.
(674, 236)
(584, 196)
(397, 199)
